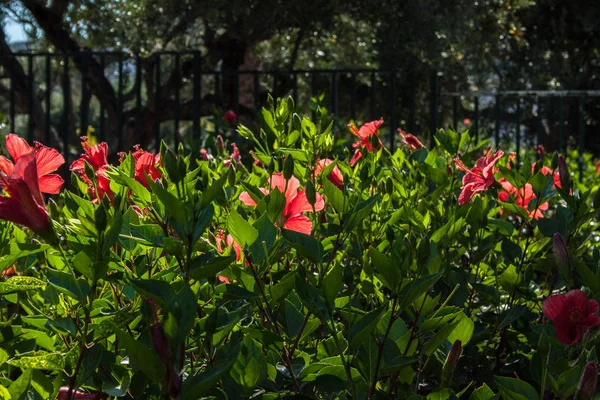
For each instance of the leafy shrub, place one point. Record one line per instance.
(292, 273)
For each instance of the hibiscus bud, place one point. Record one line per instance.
(587, 383)
(563, 172)
(451, 361)
(311, 193)
(230, 117)
(554, 162)
(231, 176)
(538, 166)
(561, 252)
(288, 167)
(220, 145)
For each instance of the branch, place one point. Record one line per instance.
(52, 24)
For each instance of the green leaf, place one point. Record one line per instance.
(207, 266)
(211, 192)
(360, 212)
(66, 283)
(241, 230)
(39, 360)
(17, 284)
(174, 207)
(549, 226)
(391, 274)
(511, 251)
(42, 384)
(463, 331)
(18, 389)
(267, 233)
(439, 337)
(146, 234)
(362, 328)
(334, 195)
(306, 245)
(515, 389)
(482, 393)
(273, 203)
(442, 394)
(142, 356)
(509, 279)
(415, 288)
(160, 291)
(332, 284)
(250, 365)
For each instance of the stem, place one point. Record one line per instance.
(82, 346)
(381, 346)
(346, 365)
(544, 374)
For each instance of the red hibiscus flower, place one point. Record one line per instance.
(598, 167)
(25, 204)
(230, 118)
(479, 178)
(295, 204)
(365, 134)
(48, 160)
(572, 315)
(522, 198)
(334, 177)
(410, 140)
(97, 157)
(548, 171)
(146, 165)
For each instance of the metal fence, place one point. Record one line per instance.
(129, 99)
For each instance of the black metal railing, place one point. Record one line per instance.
(129, 99)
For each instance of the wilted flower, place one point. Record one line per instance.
(479, 178)
(410, 140)
(368, 135)
(24, 204)
(335, 176)
(561, 252)
(47, 161)
(451, 360)
(572, 315)
(588, 381)
(295, 203)
(563, 172)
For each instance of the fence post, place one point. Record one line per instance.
(102, 94)
(497, 126)
(66, 101)
(83, 111)
(455, 113)
(518, 131)
(197, 99)
(581, 135)
(433, 107)
(476, 122)
(157, 105)
(30, 98)
(47, 96)
(561, 126)
(393, 122)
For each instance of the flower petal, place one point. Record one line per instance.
(554, 306)
(50, 184)
(300, 204)
(17, 146)
(299, 223)
(6, 166)
(48, 160)
(247, 200)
